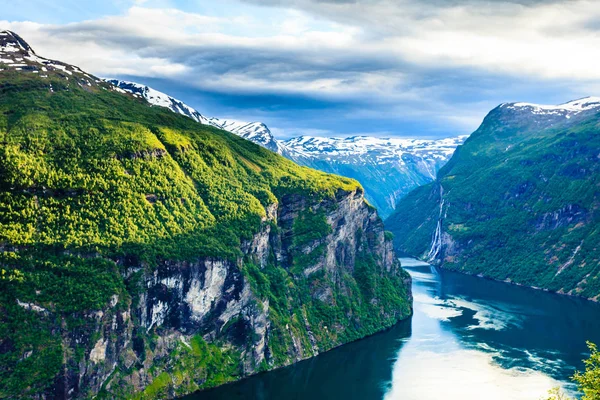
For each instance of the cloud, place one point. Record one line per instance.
(373, 64)
(519, 37)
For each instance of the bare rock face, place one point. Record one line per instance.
(216, 302)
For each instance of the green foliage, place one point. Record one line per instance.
(588, 382)
(191, 367)
(310, 226)
(49, 287)
(389, 236)
(90, 178)
(308, 229)
(556, 394)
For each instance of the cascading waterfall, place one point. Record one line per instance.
(436, 243)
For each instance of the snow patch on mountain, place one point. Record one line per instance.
(566, 109)
(372, 149)
(16, 54)
(388, 168)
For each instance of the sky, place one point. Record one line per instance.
(409, 68)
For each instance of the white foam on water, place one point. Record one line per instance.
(435, 308)
(489, 316)
(412, 262)
(462, 375)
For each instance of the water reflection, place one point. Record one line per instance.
(469, 338)
(359, 370)
(459, 346)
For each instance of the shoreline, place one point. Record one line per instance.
(574, 296)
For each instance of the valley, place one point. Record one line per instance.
(474, 338)
(363, 245)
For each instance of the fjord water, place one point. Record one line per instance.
(469, 338)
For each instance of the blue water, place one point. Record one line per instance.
(469, 338)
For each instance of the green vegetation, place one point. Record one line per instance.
(309, 227)
(89, 177)
(98, 189)
(588, 382)
(191, 367)
(521, 203)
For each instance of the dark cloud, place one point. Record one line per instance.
(387, 69)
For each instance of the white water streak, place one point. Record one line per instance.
(436, 243)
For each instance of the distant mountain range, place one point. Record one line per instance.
(388, 168)
(519, 201)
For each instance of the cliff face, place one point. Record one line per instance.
(187, 315)
(518, 202)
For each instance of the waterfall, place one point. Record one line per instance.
(436, 243)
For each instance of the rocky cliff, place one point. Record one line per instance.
(144, 255)
(283, 301)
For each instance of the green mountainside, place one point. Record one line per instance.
(519, 201)
(145, 255)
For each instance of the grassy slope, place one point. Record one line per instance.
(502, 190)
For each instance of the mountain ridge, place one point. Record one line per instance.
(253, 131)
(387, 167)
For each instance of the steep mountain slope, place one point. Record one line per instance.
(256, 132)
(519, 201)
(387, 168)
(143, 255)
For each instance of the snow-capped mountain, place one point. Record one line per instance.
(388, 168)
(17, 55)
(367, 149)
(566, 110)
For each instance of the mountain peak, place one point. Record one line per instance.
(17, 55)
(10, 42)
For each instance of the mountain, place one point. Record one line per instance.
(519, 201)
(388, 168)
(144, 255)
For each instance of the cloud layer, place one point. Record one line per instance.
(394, 67)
